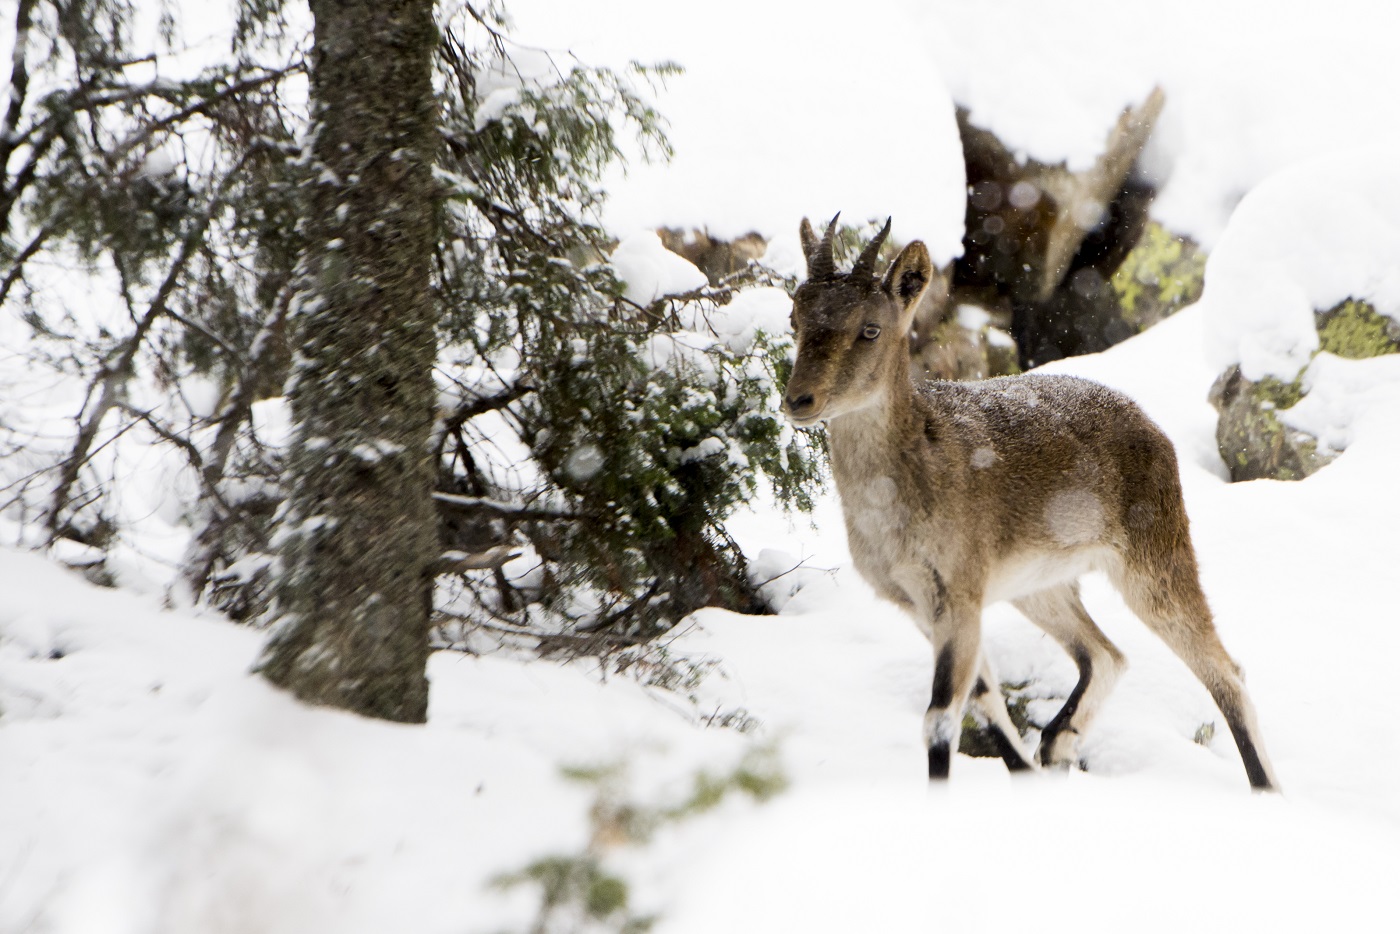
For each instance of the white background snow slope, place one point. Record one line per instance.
(783, 110)
(790, 109)
(149, 784)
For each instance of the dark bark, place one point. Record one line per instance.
(358, 536)
(18, 85)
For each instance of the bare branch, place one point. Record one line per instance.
(500, 509)
(109, 380)
(196, 458)
(455, 562)
(25, 255)
(205, 104)
(471, 408)
(19, 80)
(199, 562)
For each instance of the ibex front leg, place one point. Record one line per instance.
(956, 632)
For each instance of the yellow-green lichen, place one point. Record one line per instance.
(1355, 330)
(1163, 274)
(1293, 453)
(1253, 439)
(1277, 393)
(1267, 431)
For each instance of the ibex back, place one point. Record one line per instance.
(961, 494)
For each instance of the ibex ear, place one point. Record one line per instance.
(908, 278)
(809, 239)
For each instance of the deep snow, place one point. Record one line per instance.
(148, 783)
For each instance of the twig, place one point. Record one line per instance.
(504, 510)
(471, 408)
(109, 380)
(455, 562)
(25, 255)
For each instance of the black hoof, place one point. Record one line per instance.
(1048, 736)
(939, 759)
(1013, 757)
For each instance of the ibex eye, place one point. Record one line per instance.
(871, 332)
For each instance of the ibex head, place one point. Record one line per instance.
(852, 328)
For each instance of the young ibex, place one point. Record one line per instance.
(959, 494)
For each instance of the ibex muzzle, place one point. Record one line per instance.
(956, 495)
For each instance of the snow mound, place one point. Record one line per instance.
(1303, 241)
(779, 114)
(1343, 394)
(1251, 87)
(765, 309)
(1056, 88)
(1306, 240)
(649, 270)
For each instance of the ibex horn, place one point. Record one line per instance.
(823, 263)
(865, 265)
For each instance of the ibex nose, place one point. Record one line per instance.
(801, 406)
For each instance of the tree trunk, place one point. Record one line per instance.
(357, 540)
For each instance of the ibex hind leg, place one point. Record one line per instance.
(1167, 596)
(1061, 614)
(986, 694)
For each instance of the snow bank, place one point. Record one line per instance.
(1082, 855)
(649, 270)
(1251, 87)
(785, 112)
(781, 113)
(1305, 240)
(1051, 84)
(148, 783)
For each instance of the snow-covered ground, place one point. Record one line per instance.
(149, 784)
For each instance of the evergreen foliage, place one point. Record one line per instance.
(636, 537)
(560, 435)
(578, 891)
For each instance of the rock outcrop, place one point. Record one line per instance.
(1256, 441)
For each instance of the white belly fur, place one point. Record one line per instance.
(1025, 574)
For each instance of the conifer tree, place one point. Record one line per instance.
(483, 437)
(358, 530)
